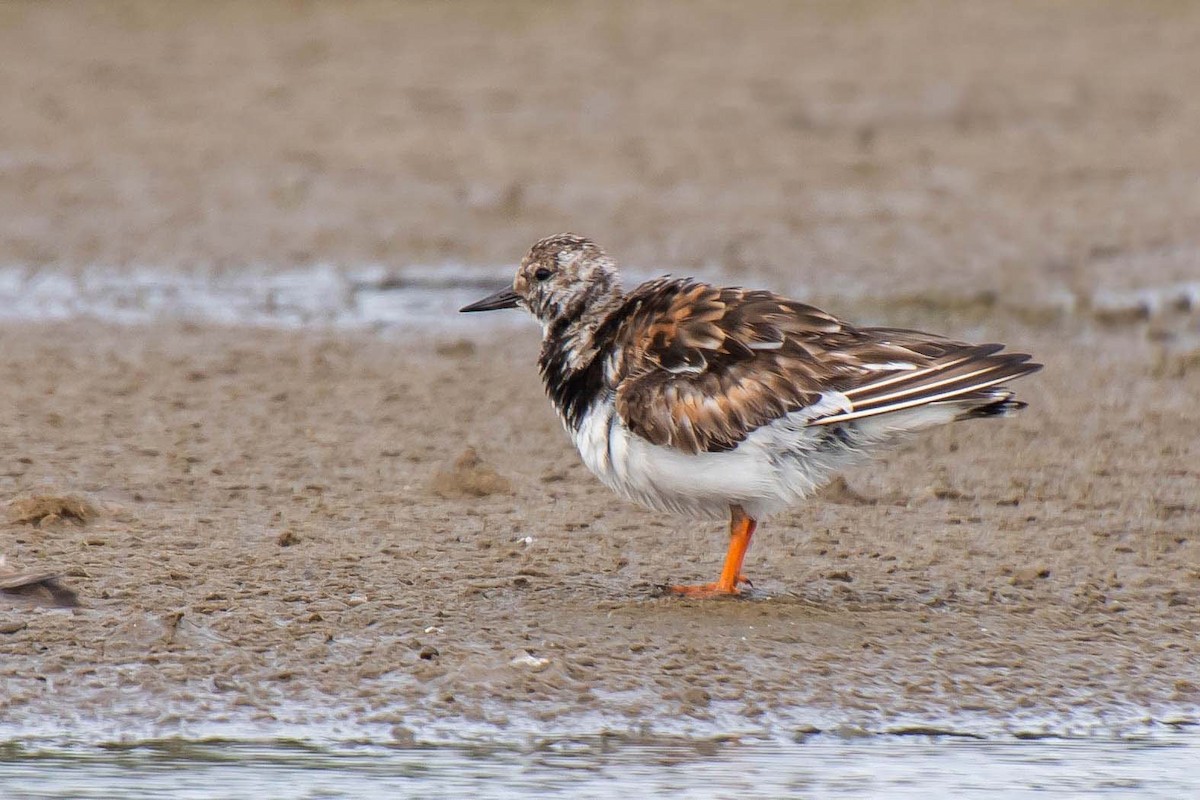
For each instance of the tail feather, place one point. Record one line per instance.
(970, 379)
(1003, 407)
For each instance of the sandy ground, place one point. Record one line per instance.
(274, 539)
(273, 528)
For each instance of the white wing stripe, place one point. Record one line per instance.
(919, 401)
(909, 375)
(924, 388)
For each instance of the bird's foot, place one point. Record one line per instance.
(705, 591)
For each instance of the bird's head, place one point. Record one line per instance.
(559, 279)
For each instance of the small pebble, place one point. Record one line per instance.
(530, 661)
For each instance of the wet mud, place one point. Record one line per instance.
(287, 527)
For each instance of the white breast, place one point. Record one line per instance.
(777, 466)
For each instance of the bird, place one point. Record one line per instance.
(725, 402)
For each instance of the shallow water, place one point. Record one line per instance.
(373, 297)
(819, 766)
(320, 295)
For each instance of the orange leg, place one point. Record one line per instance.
(741, 529)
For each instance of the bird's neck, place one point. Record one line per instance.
(575, 347)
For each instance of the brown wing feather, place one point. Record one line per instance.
(700, 367)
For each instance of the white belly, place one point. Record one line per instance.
(777, 466)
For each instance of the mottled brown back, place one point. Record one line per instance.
(700, 367)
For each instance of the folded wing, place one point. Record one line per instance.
(701, 367)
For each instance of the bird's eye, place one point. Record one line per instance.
(542, 273)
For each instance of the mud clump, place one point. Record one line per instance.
(1028, 576)
(39, 588)
(44, 510)
(469, 476)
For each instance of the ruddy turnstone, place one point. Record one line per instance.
(715, 401)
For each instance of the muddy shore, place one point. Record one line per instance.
(281, 525)
(279, 536)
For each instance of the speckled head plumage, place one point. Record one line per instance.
(559, 280)
(562, 275)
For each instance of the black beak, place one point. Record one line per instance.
(505, 298)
